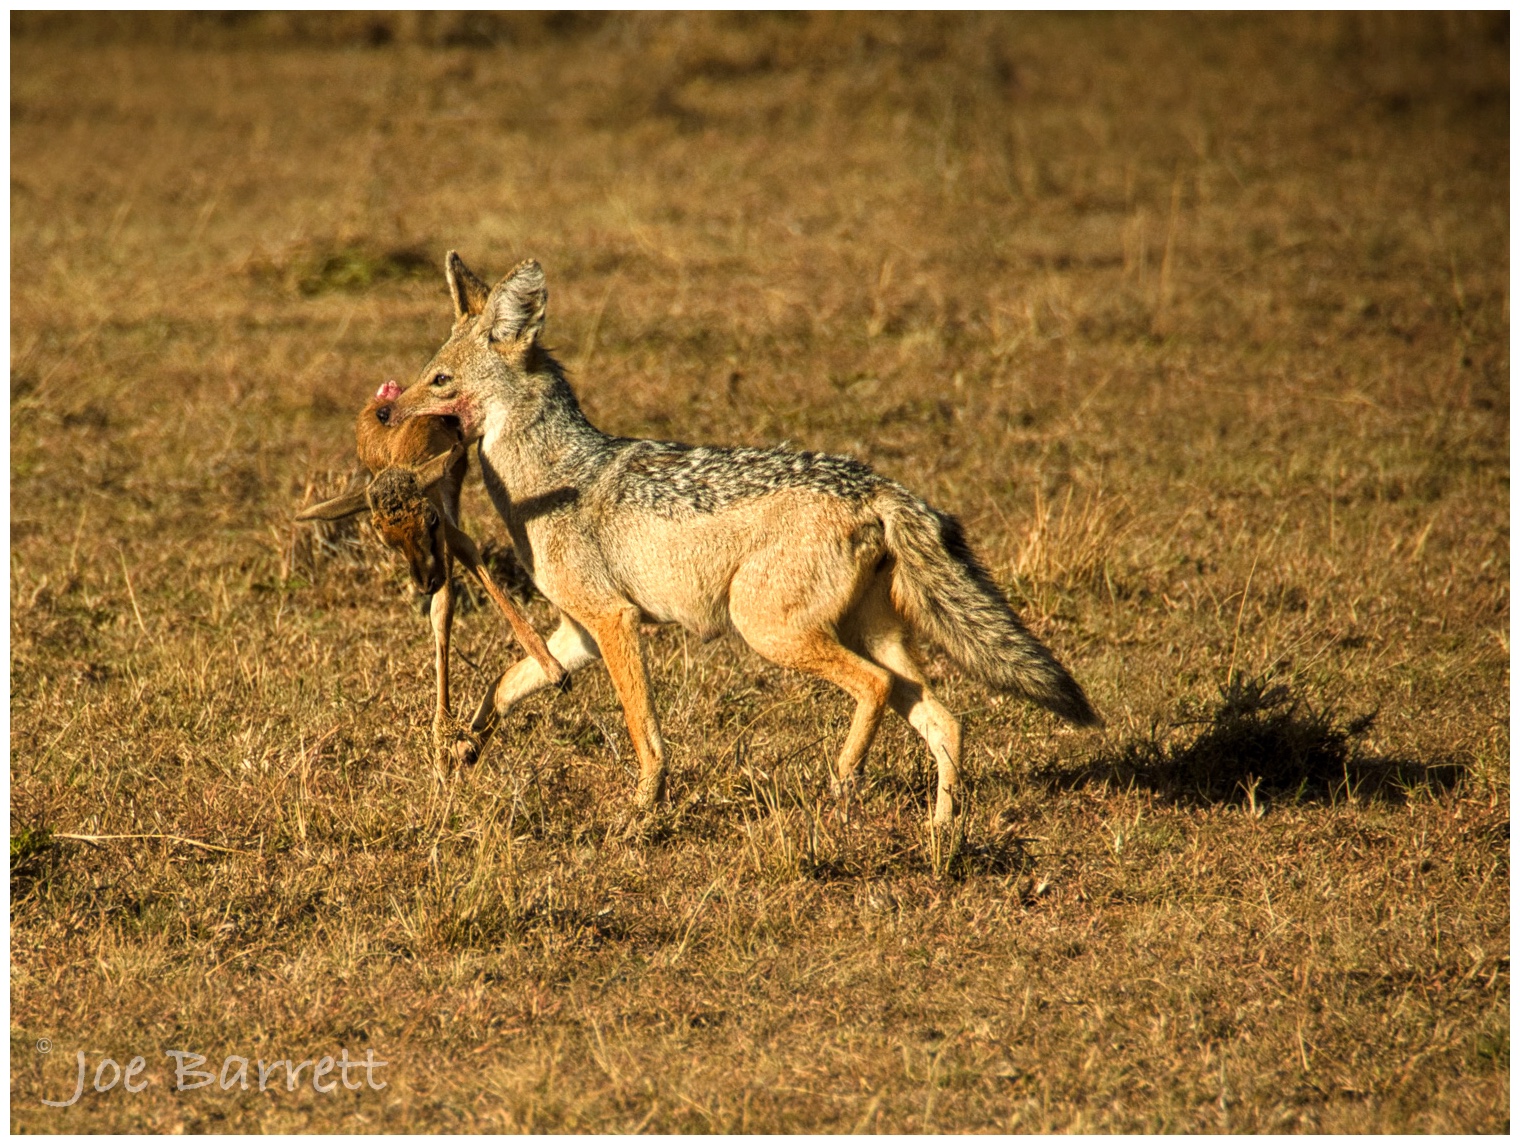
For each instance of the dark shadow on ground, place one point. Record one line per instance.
(1259, 742)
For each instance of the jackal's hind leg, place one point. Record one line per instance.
(937, 724)
(820, 654)
(870, 687)
(787, 603)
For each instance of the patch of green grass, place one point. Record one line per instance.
(28, 842)
(355, 268)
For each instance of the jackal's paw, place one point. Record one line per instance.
(651, 826)
(635, 825)
(651, 792)
(945, 807)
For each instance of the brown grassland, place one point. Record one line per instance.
(1200, 324)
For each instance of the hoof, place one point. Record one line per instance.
(464, 751)
(844, 789)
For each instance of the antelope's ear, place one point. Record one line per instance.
(515, 310)
(336, 509)
(467, 291)
(434, 469)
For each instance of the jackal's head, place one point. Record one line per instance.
(403, 514)
(492, 352)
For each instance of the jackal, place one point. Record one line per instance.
(818, 562)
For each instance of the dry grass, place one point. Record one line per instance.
(1200, 324)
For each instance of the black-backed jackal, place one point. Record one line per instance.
(817, 562)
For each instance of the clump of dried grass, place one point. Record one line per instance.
(1070, 544)
(1257, 740)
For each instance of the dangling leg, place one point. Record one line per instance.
(570, 644)
(441, 614)
(461, 546)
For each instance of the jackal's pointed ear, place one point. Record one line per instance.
(515, 310)
(467, 291)
(434, 469)
(336, 509)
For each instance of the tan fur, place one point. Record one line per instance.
(817, 562)
(383, 444)
(800, 577)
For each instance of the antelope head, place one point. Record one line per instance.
(403, 514)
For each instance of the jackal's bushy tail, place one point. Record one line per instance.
(945, 593)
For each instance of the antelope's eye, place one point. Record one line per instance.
(440, 379)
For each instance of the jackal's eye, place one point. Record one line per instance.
(440, 379)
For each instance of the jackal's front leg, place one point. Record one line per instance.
(570, 644)
(618, 636)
